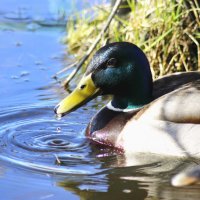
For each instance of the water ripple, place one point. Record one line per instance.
(30, 137)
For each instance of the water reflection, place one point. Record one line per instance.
(128, 183)
(116, 187)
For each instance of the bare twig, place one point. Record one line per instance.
(65, 69)
(92, 47)
(57, 159)
(170, 63)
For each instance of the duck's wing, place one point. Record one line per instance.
(180, 106)
(172, 82)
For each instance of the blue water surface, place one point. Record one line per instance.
(45, 158)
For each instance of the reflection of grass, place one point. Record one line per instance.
(167, 30)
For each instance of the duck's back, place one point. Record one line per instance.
(180, 105)
(172, 82)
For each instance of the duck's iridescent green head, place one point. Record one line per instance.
(120, 69)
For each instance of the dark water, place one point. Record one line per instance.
(44, 158)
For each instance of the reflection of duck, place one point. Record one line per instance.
(165, 120)
(135, 182)
(111, 186)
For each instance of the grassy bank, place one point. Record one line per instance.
(168, 31)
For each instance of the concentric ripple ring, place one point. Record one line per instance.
(31, 137)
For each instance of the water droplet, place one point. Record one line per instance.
(33, 26)
(18, 44)
(58, 116)
(38, 62)
(24, 73)
(14, 77)
(127, 191)
(43, 68)
(55, 57)
(58, 129)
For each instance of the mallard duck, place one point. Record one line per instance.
(160, 117)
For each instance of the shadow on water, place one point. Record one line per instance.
(45, 158)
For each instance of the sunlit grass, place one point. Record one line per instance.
(166, 30)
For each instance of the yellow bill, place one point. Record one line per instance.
(84, 92)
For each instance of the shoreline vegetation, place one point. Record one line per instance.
(168, 31)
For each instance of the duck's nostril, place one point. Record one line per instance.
(82, 87)
(56, 108)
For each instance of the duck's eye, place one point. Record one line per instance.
(111, 62)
